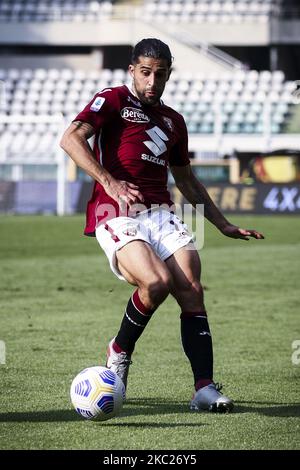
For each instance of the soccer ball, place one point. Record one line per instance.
(97, 393)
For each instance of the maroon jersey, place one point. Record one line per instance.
(135, 143)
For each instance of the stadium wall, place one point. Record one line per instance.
(107, 33)
(59, 61)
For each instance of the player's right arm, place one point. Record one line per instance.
(75, 143)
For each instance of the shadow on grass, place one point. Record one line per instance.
(39, 416)
(151, 406)
(141, 407)
(154, 407)
(279, 410)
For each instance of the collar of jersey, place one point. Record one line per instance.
(142, 104)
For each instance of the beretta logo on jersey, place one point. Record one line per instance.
(134, 115)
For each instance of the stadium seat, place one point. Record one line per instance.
(240, 97)
(55, 10)
(205, 11)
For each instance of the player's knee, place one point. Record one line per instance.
(158, 288)
(190, 295)
(190, 287)
(197, 289)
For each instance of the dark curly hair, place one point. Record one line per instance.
(151, 47)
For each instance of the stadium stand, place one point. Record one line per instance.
(55, 10)
(202, 11)
(238, 97)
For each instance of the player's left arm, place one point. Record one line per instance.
(195, 193)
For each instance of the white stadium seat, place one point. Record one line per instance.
(208, 11)
(39, 11)
(239, 96)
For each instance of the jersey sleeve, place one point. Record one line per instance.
(179, 155)
(101, 109)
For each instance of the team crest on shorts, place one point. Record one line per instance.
(130, 231)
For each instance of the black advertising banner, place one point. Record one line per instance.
(252, 199)
(278, 199)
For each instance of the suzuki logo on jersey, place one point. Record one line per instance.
(157, 144)
(134, 115)
(150, 158)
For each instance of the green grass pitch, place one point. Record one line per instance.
(60, 305)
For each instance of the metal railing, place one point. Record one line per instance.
(212, 52)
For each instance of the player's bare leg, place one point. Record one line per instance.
(185, 267)
(141, 267)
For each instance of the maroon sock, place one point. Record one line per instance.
(202, 383)
(116, 347)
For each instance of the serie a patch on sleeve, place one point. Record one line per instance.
(97, 103)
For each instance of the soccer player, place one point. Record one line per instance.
(136, 139)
